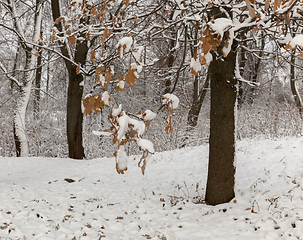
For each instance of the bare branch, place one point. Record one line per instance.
(9, 76)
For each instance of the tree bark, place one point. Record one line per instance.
(221, 169)
(21, 141)
(37, 95)
(293, 85)
(193, 114)
(75, 116)
(242, 62)
(75, 91)
(198, 95)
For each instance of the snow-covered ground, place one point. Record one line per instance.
(39, 201)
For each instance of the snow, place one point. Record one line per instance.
(176, 14)
(208, 58)
(121, 84)
(195, 65)
(102, 79)
(139, 68)
(121, 158)
(297, 40)
(139, 53)
(105, 98)
(125, 44)
(148, 115)
(116, 111)
(123, 126)
(102, 133)
(139, 126)
(221, 25)
(145, 144)
(171, 99)
(38, 202)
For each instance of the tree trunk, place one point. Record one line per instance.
(21, 142)
(193, 114)
(38, 86)
(198, 98)
(75, 91)
(293, 85)
(221, 169)
(74, 115)
(20, 137)
(242, 61)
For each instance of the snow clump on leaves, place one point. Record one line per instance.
(124, 45)
(125, 129)
(171, 100)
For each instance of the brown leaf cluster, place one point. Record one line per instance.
(108, 76)
(53, 38)
(99, 73)
(277, 4)
(119, 49)
(106, 34)
(130, 135)
(168, 128)
(93, 57)
(251, 10)
(210, 40)
(143, 161)
(73, 39)
(192, 70)
(131, 77)
(93, 103)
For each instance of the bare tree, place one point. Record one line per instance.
(15, 25)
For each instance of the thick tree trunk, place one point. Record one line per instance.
(74, 116)
(75, 91)
(221, 169)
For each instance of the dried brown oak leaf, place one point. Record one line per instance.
(210, 40)
(73, 39)
(131, 77)
(147, 236)
(251, 10)
(88, 104)
(109, 74)
(78, 68)
(93, 57)
(277, 4)
(168, 128)
(92, 103)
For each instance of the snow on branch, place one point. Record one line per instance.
(240, 78)
(125, 129)
(171, 100)
(124, 45)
